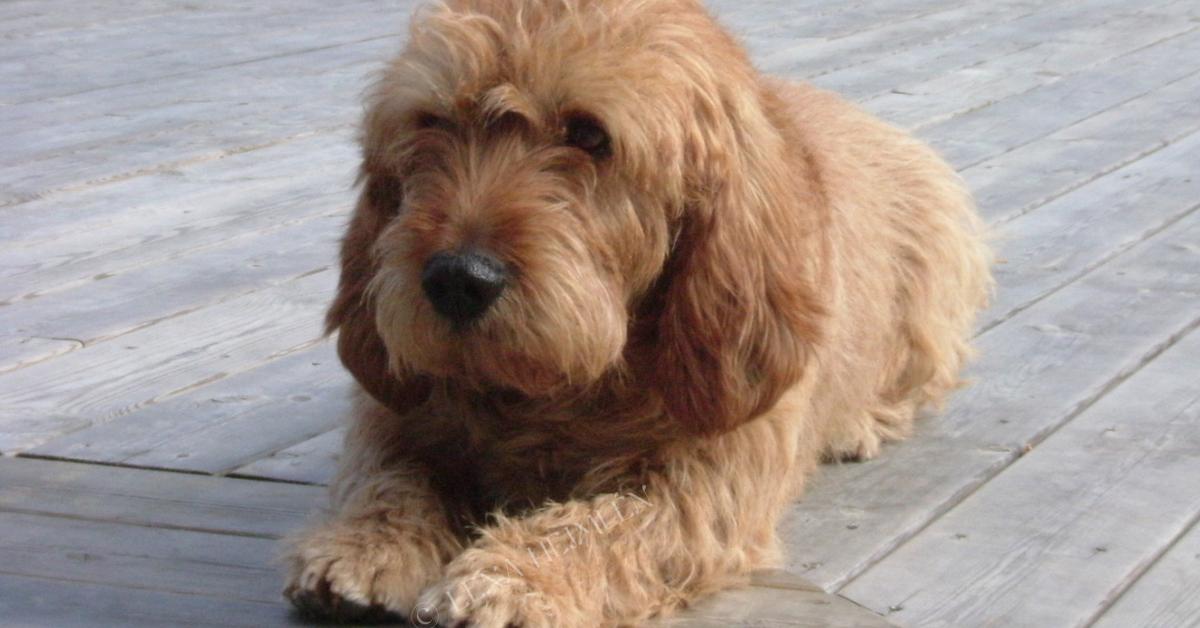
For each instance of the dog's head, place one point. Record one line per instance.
(562, 191)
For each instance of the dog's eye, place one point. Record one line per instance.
(425, 120)
(586, 134)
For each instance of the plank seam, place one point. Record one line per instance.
(126, 465)
(1113, 60)
(207, 69)
(138, 524)
(111, 585)
(1086, 270)
(231, 470)
(172, 165)
(1116, 594)
(1033, 206)
(1033, 442)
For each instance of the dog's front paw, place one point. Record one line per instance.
(485, 601)
(358, 573)
(485, 591)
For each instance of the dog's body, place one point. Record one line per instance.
(612, 296)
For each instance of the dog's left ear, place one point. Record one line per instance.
(736, 313)
(352, 313)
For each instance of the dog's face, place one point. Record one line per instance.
(545, 184)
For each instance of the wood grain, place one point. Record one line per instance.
(1034, 373)
(1057, 535)
(313, 461)
(1167, 595)
(154, 499)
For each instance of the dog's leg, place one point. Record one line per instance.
(389, 537)
(701, 524)
(859, 436)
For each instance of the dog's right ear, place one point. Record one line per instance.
(352, 313)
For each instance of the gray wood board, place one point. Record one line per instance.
(1022, 179)
(1056, 536)
(55, 244)
(192, 123)
(95, 384)
(1167, 595)
(186, 191)
(793, 47)
(972, 49)
(990, 130)
(313, 461)
(164, 46)
(29, 19)
(57, 603)
(762, 607)
(146, 295)
(84, 544)
(1034, 373)
(1061, 241)
(154, 498)
(165, 559)
(1108, 36)
(227, 424)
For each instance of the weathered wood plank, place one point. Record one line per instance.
(1015, 182)
(189, 102)
(1064, 239)
(1167, 595)
(222, 426)
(967, 89)
(59, 603)
(808, 18)
(101, 232)
(163, 559)
(825, 50)
(257, 433)
(114, 378)
(17, 351)
(759, 606)
(65, 63)
(121, 210)
(990, 130)
(28, 19)
(154, 498)
(143, 296)
(313, 461)
(905, 80)
(1052, 539)
(1034, 373)
(199, 126)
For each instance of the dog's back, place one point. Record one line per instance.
(909, 268)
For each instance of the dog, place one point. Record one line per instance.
(611, 295)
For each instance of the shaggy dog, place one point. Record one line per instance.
(612, 295)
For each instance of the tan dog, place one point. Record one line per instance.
(613, 295)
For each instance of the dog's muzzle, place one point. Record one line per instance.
(463, 285)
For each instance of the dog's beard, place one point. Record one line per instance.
(562, 335)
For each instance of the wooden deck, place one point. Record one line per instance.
(174, 176)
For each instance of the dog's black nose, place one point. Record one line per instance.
(461, 286)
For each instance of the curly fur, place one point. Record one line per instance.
(758, 277)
